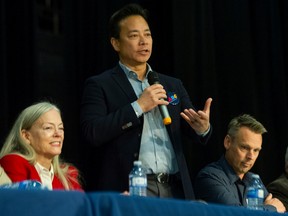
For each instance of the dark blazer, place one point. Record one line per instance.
(109, 123)
(279, 189)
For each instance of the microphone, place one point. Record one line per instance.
(154, 79)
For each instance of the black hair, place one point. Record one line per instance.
(124, 12)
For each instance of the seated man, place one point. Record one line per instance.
(4, 179)
(225, 181)
(279, 187)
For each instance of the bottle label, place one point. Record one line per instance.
(255, 193)
(260, 193)
(139, 181)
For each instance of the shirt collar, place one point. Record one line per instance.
(232, 176)
(40, 169)
(130, 73)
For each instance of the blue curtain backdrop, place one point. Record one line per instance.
(234, 51)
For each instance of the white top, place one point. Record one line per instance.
(46, 175)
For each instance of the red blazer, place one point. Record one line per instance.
(19, 169)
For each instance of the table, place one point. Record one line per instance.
(72, 203)
(43, 203)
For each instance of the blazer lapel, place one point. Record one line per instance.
(121, 79)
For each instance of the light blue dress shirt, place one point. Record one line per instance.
(156, 150)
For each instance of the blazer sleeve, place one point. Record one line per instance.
(106, 111)
(16, 167)
(74, 178)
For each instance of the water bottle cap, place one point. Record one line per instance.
(137, 163)
(255, 176)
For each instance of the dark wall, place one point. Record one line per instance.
(234, 51)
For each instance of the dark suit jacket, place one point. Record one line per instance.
(279, 189)
(109, 123)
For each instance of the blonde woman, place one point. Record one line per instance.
(33, 147)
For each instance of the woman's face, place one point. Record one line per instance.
(46, 135)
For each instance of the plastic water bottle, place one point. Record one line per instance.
(137, 180)
(255, 194)
(24, 185)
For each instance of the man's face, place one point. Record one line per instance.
(134, 45)
(242, 150)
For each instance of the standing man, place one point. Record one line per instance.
(120, 115)
(226, 181)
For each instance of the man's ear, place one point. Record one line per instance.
(227, 142)
(115, 43)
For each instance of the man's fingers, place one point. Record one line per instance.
(207, 105)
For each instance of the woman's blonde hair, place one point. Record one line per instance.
(15, 143)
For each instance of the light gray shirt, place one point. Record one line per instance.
(156, 150)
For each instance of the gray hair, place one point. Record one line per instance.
(245, 120)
